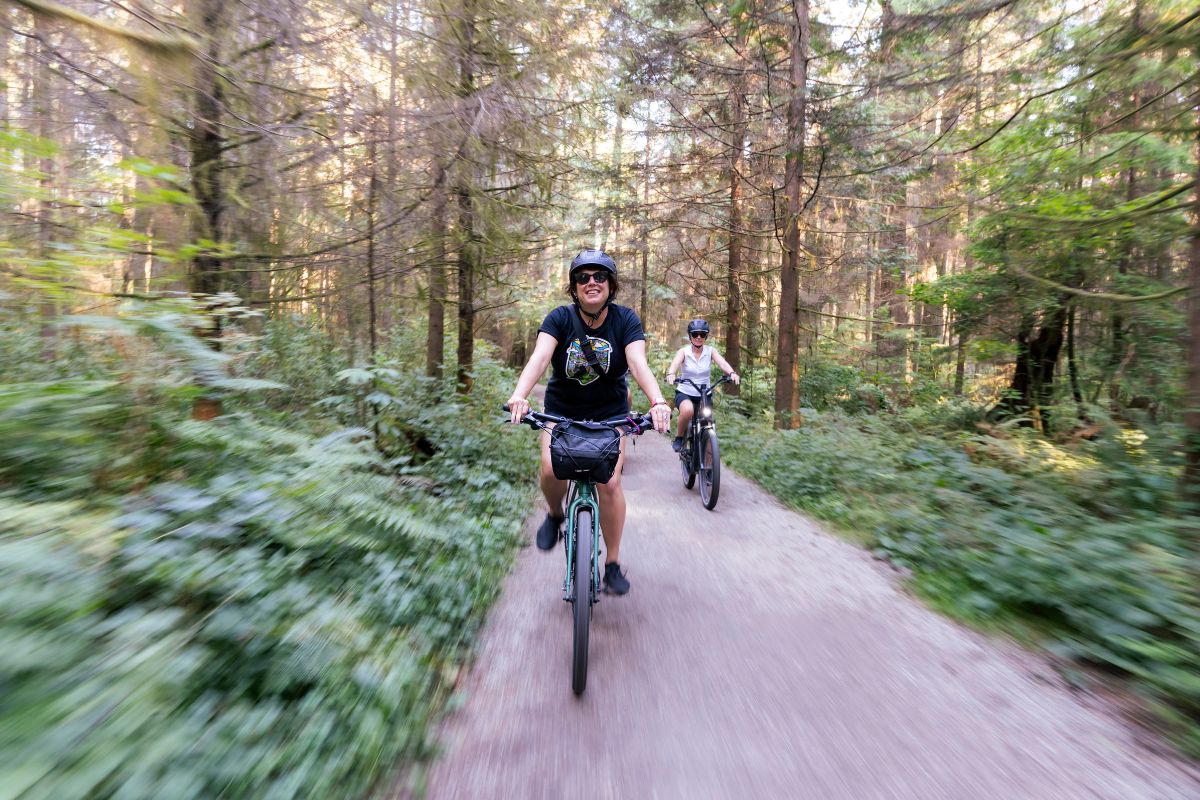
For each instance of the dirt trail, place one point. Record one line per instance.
(757, 657)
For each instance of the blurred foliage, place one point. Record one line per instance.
(245, 607)
(825, 385)
(1081, 544)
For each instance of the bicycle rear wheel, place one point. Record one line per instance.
(710, 469)
(582, 600)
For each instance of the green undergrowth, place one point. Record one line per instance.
(1080, 546)
(275, 603)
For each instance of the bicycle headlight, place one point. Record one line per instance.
(706, 412)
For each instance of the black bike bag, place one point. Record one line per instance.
(584, 451)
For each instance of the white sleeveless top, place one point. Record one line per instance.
(695, 369)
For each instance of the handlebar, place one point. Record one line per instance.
(636, 424)
(703, 388)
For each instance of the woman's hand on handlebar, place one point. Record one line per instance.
(517, 407)
(737, 379)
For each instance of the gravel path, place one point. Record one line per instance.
(757, 657)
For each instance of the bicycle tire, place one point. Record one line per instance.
(710, 469)
(685, 465)
(582, 601)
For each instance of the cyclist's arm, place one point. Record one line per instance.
(675, 365)
(543, 350)
(635, 354)
(722, 363)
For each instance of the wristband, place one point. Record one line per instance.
(658, 402)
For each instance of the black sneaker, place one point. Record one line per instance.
(615, 581)
(677, 443)
(549, 533)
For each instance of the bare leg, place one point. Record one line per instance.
(612, 511)
(553, 489)
(685, 416)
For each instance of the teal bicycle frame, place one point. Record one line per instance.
(582, 495)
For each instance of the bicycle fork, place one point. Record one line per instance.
(582, 498)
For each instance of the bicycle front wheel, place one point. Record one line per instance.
(685, 464)
(582, 600)
(710, 469)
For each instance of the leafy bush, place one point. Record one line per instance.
(825, 385)
(238, 608)
(1083, 543)
(294, 352)
(953, 414)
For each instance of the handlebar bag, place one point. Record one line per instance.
(584, 451)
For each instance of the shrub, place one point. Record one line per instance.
(238, 608)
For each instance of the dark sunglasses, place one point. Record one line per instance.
(701, 334)
(583, 278)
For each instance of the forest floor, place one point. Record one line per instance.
(757, 656)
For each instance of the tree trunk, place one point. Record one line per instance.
(940, 233)
(372, 309)
(1038, 348)
(893, 277)
(644, 300)
(463, 190)
(393, 276)
(889, 345)
(1072, 364)
(751, 347)
(733, 308)
(466, 287)
(435, 341)
(1118, 320)
(5, 74)
(960, 363)
(869, 327)
(770, 291)
(207, 146)
(960, 325)
(786, 400)
(42, 109)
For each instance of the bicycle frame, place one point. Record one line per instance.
(702, 416)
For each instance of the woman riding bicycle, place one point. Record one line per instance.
(696, 359)
(578, 389)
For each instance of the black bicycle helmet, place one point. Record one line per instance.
(697, 325)
(594, 258)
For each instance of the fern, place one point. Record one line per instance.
(258, 606)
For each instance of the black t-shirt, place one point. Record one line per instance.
(575, 391)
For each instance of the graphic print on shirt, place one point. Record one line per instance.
(576, 366)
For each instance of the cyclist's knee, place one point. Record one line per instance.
(610, 491)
